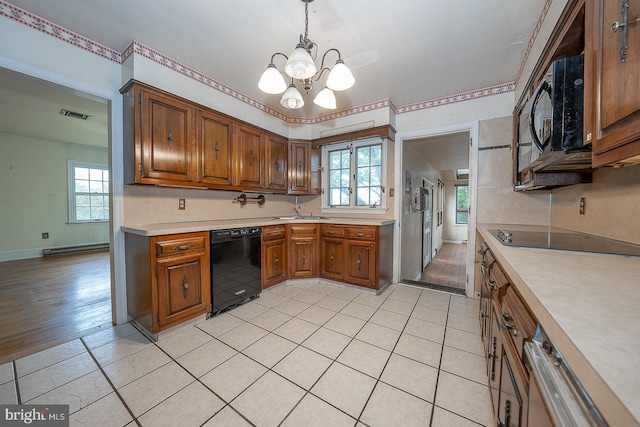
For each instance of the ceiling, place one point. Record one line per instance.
(421, 51)
(444, 153)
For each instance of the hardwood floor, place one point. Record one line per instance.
(51, 300)
(448, 268)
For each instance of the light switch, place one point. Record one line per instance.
(181, 204)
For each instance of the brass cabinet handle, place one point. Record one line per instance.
(360, 234)
(331, 232)
(185, 286)
(332, 258)
(277, 165)
(251, 158)
(170, 139)
(183, 247)
(217, 149)
(304, 256)
(359, 262)
(623, 26)
(275, 260)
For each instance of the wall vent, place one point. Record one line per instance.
(74, 114)
(347, 129)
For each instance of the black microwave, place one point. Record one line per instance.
(550, 134)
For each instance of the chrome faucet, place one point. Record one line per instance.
(297, 210)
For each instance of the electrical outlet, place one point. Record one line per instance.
(583, 205)
(45, 235)
(182, 204)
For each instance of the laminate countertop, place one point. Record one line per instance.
(589, 304)
(194, 226)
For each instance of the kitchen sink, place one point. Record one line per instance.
(301, 217)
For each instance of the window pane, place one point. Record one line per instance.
(82, 186)
(363, 197)
(81, 173)
(363, 156)
(344, 180)
(335, 160)
(375, 175)
(346, 159)
(462, 217)
(83, 213)
(96, 200)
(95, 174)
(345, 199)
(462, 199)
(82, 200)
(95, 186)
(376, 155)
(363, 177)
(335, 178)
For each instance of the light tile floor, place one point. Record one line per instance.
(300, 355)
(448, 268)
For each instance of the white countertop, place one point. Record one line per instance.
(589, 304)
(193, 226)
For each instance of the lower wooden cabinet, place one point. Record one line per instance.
(332, 258)
(274, 255)
(303, 250)
(361, 263)
(168, 279)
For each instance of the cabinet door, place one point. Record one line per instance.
(273, 262)
(165, 139)
(494, 360)
(361, 263)
(276, 164)
(513, 399)
(183, 288)
(250, 145)
(331, 258)
(299, 168)
(302, 259)
(612, 104)
(215, 151)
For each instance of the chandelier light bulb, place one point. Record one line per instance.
(300, 64)
(291, 98)
(340, 77)
(271, 81)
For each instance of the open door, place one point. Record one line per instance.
(427, 223)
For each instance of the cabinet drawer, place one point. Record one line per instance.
(516, 319)
(331, 230)
(364, 233)
(273, 232)
(181, 245)
(303, 229)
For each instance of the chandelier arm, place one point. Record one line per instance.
(278, 53)
(319, 73)
(325, 55)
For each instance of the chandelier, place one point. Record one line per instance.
(301, 66)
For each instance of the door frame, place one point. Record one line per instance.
(425, 183)
(472, 128)
(114, 102)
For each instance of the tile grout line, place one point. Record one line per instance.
(135, 419)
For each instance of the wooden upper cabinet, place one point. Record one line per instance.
(215, 149)
(250, 146)
(612, 104)
(300, 167)
(165, 138)
(276, 163)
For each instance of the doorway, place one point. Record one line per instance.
(44, 142)
(429, 157)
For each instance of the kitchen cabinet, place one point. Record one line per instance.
(173, 142)
(612, 105)
(361, 256)
(168, 279)
(300, 167)
(215, 150)
(274, 255)
(276, 163)
(250, 151)
(303, 250)
(163, 139)
(332, 252)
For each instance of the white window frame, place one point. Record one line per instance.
(71, 165)
(456, 206)
(353, 208)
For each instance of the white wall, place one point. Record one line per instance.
(33, 184)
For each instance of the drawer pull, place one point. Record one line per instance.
(509, 325)
(275, 260)
(331, 232)
(360, 234)
(359, 262)
(185, 286)
(276, 233)
(183, 247)
(240, 292)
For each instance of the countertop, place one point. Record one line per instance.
(193, 226)
(589, 304)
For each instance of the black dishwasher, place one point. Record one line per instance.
(235, 267)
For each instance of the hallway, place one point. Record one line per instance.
(448, 268)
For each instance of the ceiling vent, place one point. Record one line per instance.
(74, 114)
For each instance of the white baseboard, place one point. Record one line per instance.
(24, 254)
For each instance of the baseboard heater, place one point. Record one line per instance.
(63, 250)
